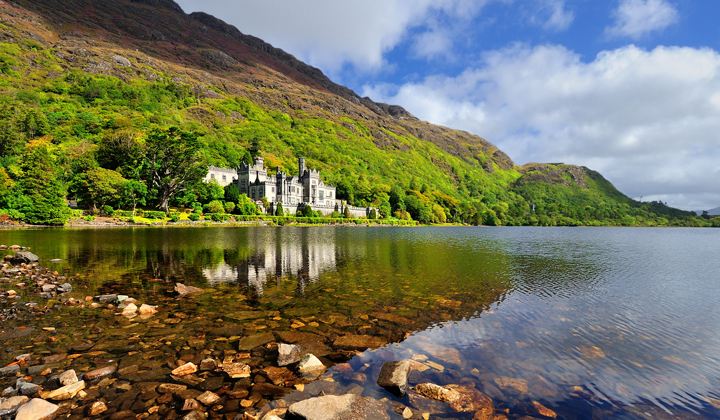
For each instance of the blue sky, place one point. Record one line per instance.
(630, 88)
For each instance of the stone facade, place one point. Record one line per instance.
(293, 191)
(223, 176)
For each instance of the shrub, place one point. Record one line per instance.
(216, 217)
(279, 211)
(155, 215)
(194, 217)
(373, 215)
(335, 215)
(175, 217)
(215, 206)
(108, 210)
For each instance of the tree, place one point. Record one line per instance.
(134, 192)
(307, 211)
(215, 206)
(172, 163)
(279, 210)
(11, 136)
(40, 182)
(346, 212)
(373, 215)
(105, 186)
(232, 193)
(246, 206)
(121, 151)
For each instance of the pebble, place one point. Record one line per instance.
(37, 409)
(99, 373)
(64, 393)
(185, 369)
(208, 398)
(287, 354)
(68, 377)
(96, 408)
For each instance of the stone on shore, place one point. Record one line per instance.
(310, 364)
(64, 393)
(147, 309)
(68, 377)
(394, 377)
(185, 369)
(96, 408)
(236, 370)
(37, 409)
(171, 388)
(287, 354)
(208, 398)
(25, 257)
(339, 407)
(11, 370)
(130, 310)
(12, 404)
(359, 342)
(183, 290)
(99, 373)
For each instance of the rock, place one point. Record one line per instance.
(268, 389)
(359, 342)
(194, 415)
(120, 60)
(99, 373)
(394, 377)
(48, 288)
(407, 413)
(170, 388)
(147, 309)
(444, 354)
(534, 408)
(64, 393)
(208, 364)
(512, 385)
(252, 341)
(37, 409)
(68, 377)
(106, 298)
(56, 260)
(24, 257)
(11, 370)
(96, 408)
(185, 369)
(208, 398)
(472, 401)
(183, 290)
(310, 364)
(29, 389)
(130, 310)
(236, 370)
(287, 354)
(12, 404)
(191, 404)
(65, 288)
(339, 407)
(437, 392)
(278, 375)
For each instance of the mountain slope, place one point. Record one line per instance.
(98, 69)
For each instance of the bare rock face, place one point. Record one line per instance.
(37, 409)
(394, 377)
(339, 407)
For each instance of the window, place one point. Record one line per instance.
(329, 194)
(322, 194)
(224, 178)
(212, 176)
(272, 189)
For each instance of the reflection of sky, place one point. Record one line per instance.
(628, 314)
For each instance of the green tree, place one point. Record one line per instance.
(279, 210)
(35, 124)
(122, 151)
(346, 212)
(229, 207)
(215, 206)
(105, 187)
(11, 136)
(373, 215)
(246, 206)
(134, 192)
(172, 163)
(232, 193)
(40, 182)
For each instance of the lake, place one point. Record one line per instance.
(590, 322)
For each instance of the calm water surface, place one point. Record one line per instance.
(597, 322)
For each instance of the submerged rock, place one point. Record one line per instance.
(310, 364)
(99, 373)
(37, 409)
(96, 408)
(64, 393)
(339, 407)
(287, 354)
(437, 392)
(68, 377)
(394, 377)
(185, 369)
(12, 404)
(183, 290)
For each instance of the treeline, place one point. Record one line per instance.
(112, 143)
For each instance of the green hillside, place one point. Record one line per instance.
(89, 117)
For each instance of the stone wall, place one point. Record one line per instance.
(356, 212)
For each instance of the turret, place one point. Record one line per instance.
(301, 166)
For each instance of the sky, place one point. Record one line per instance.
(629, 88)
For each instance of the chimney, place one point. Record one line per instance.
(301, 165)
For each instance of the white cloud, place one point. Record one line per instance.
(647, 120)
(552, 15)
(330, 34)
(636, 18)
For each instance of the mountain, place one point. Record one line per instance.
(711, 212)
(87, 72)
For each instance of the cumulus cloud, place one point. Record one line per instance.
(636, 18)
(552, 15)
(331, 34)
(647, 120)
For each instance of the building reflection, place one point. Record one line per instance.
(272, 260)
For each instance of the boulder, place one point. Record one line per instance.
(12, 404)
(29, 389)
(68, 377)
(37, 409)
(11, 370)
(394, 377)
(339, 407)
(310, 364)
(24, 257)
(287, 354)
(183, 290)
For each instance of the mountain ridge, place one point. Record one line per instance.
(247, 97)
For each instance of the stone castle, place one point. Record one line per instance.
(293, 191)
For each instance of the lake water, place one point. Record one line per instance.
(591, 322)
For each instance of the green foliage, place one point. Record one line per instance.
(155, 215)
(104, 187)
(174, 217)
(246, 206)
(279, 210)
(41, 184)
(372, 215)
(229, 207)
(194, 217)
(214, 206)
(108, 210)
(232, 193)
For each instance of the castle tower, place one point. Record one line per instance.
(301, 165)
